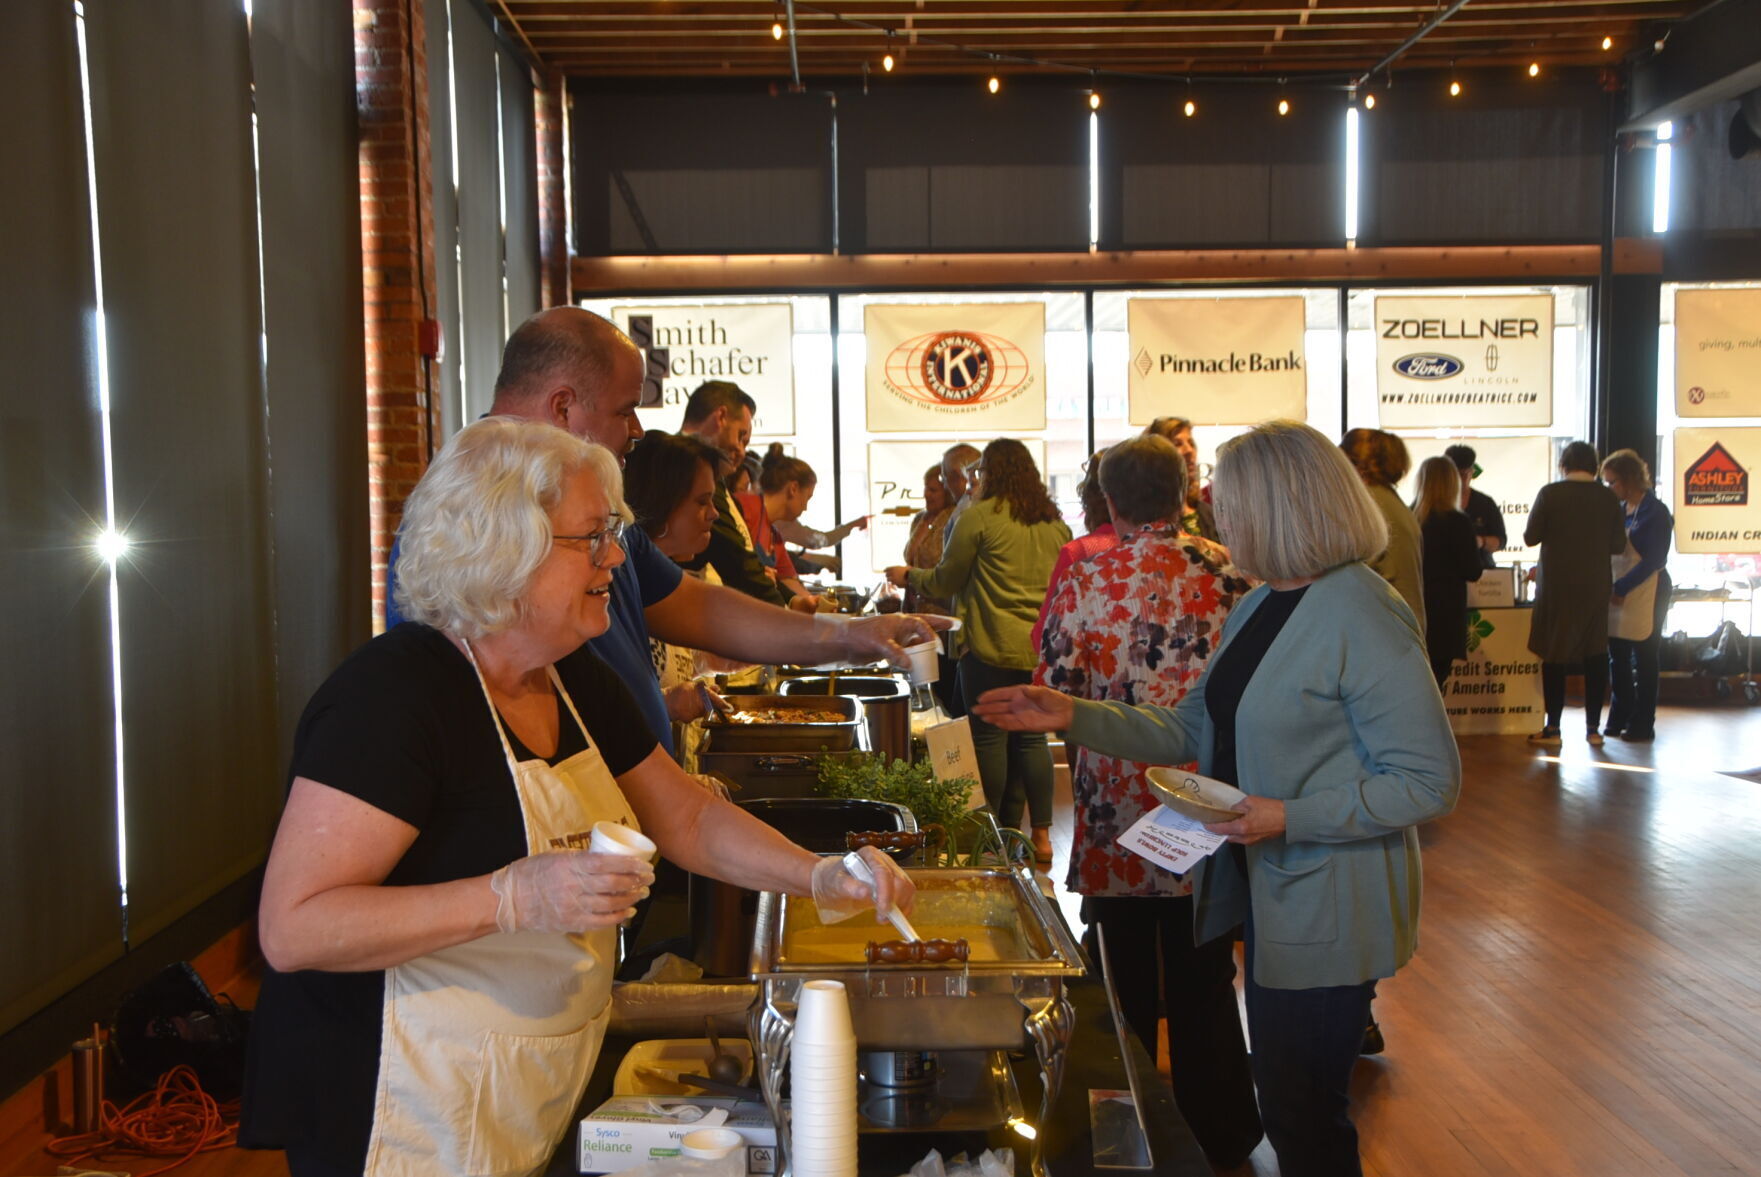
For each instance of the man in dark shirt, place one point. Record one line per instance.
(1487, 519)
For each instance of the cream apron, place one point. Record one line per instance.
(487, 1046)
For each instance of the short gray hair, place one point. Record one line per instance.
(477, 526)
(1145, 477)
(1290, 504)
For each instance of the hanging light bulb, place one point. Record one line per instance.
(776, 30)
(1607, 44)
(1283, 106)
(887, 63)
(1454, 89)
(1191, 108)
(1369, 102)
(1534, 69)
(1094, 100)
(993, 85)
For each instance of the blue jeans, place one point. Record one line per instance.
(1305, 1043)
(1009, 763)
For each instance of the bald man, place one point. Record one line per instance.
(956, 461)
(575, 370)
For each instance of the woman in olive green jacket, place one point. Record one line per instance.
(995, 567)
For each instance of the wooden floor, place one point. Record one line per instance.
(1586, 1001)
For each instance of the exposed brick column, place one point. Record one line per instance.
(555, 287)
(397, 247)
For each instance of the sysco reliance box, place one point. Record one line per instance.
(629, 1130)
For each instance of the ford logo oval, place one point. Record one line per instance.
(1421, 366)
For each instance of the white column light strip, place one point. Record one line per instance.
(112, 543)
(1351, 115)
(1660, 181)
(458, 251)
(1094, 181)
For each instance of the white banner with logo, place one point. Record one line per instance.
(750, 344)
(895, 481)
(1718, 353)
(1717, 512)
(1223, 361)
(1512, 472)
(1473, 362)
(946, 367)
(1498, 687)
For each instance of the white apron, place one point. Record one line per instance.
(487, 1046)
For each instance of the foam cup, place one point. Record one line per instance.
(611, 838)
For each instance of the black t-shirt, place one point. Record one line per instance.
(403, 725)
(1234, 668)
(1488, 520)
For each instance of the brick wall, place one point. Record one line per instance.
(397, 235)
(553, 209)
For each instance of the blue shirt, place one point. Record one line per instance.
(1648, 527)
(646, 577)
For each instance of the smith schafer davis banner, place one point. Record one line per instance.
(1483, 361)
(1225, 361)
(1718, 353)
(1716, 510)
(683, 346)
(956, 368)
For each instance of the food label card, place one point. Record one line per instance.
(1170, 840)
(951, 756)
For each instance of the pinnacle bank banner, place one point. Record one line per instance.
(1225, 361)
(1717, 511)
(1718, 353)
(1512, 472)
(1474, 362)
(895, 480)
(751, 345)
(956, 368)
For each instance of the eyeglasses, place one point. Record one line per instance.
(599, 543)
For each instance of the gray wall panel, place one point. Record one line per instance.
(446, 212)
(519, 146)
(479, 166)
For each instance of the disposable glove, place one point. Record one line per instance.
(839, 895)
(564, 891)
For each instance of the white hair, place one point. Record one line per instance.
(477, 526)
(1290, 504)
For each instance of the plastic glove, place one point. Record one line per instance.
(715, 786)
(565, 891)
(864, 639)
(839, 895)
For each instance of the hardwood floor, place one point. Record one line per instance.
(1586, 1001)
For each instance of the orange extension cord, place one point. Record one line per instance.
(175, 1119)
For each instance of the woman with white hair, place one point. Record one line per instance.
(1319, 705)
(441, 939)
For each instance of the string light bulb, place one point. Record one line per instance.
(1369, 102)
(1534, 69)
(1283, 106)
(887, 63)
(1094, 99)
(776, 30)
(1455, 89)
(994, 84)
(1191, 108)
(1607, 44)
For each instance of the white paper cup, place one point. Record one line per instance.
(926, 666)
(822, 1014)
(611, 838)
(710, 1144)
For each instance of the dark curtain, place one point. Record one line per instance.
(60, 914)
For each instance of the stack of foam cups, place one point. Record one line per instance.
(822, 1083)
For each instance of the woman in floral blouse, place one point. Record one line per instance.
(1136, 624)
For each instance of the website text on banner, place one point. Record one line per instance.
(1498, 688)
(956, 367)
(1222, 361)
(751, 344)
(1465, 362)
(1718, 353)
(1716, 509)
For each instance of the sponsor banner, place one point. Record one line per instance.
(978, 367)
(1225, 361)
(1717, 510)
(1498, 688)
(895, 480)
(1474, 362)
(1718, 353)
(1512, 472)
(751, 345)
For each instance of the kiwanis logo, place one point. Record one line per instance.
(1715, 480)
(957, 370)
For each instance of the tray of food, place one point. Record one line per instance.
(786, 723)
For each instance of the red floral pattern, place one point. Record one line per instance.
(1134, 624)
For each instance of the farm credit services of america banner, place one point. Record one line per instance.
(956, 368)
(1464, 362)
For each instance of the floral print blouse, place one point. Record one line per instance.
(1134, 624)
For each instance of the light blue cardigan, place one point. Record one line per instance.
(1343, 723)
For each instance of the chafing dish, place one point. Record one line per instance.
(731, 734)
(1010, 993)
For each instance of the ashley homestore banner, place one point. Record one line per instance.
(751, 345)
(1717, 511)
(1483, 361)
(956, 368)
(1718, 353)
(1224, 361)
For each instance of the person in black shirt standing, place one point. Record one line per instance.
(1480, 508)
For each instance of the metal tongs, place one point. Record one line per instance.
(859, 868)
(718, 708)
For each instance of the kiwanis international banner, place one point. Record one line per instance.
(1718, 353)
(956, 368)
(1512, 472)
(1498, 687)
(1223, 361)
(683, 346)
(895, 481)
(1475, 362)
(1716, 511)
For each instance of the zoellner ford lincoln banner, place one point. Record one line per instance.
(1217, 361)
(1464, 362)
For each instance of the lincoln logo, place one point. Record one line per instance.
(957, 368)
(1715, 480)
(1423, 366)
(1491, 357)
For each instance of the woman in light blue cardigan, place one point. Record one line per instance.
(1320, 705)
